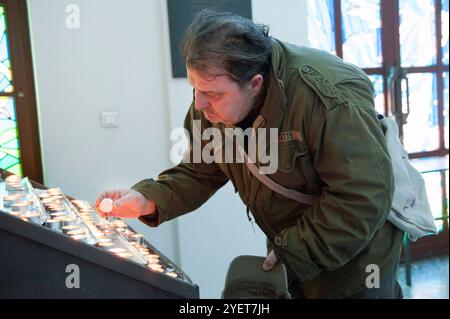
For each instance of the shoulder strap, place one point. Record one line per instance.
(289, 193)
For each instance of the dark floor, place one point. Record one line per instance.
(429, 279)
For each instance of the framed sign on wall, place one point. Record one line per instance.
(181, 13)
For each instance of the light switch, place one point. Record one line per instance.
(110, 119)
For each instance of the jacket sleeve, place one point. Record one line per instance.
(183, 188)
(351, 158)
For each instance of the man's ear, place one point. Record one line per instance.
(256, 83)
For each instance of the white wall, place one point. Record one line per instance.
(119, 60)
(112, 62)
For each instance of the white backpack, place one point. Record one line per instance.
(410, 210)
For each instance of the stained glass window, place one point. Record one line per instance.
(446, 97)
(377, 81)
(361, 32)
(321, 25)
(417, 32)
(9, 143)
(445, 31)
(421, 133)
(5, 63)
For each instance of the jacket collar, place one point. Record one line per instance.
(275, 102)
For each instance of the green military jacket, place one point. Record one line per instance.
(338, 153)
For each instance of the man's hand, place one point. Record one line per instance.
(127, 203)
(270, 261)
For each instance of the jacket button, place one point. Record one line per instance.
(306, 69)
(278, 241)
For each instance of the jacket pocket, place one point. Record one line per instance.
(296, 168)
(288, 153)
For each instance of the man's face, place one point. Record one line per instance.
(220, 98)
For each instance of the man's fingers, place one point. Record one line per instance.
(270, 261)
(99, 199)
(113, 194)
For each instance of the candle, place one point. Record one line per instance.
(54, 191)
(44, 195)
(32, 216)
(138, 238)
(78, 237)
(153, 256)
(151, 261)
(59, 216)
(69, 228)
(22, 206)
(11, 199)
(17, 214)
(15, 189)
(158, 268)
(124, 255)
(54, 224)
(12, 179)
(47, 201)
(56, 205)
(105, 244)
(117, 250)
(106, 205)
(68, 221)
(80, 231)
(119, 224)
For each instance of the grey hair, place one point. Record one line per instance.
(231, 42)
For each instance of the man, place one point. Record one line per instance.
(330, 145)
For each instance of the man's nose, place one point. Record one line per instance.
(200, 102)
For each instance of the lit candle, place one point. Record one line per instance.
(124, 255)
(80, 231)
(44, 195)
(61, 218)
(69, 228)
(54, 191)
(105, 244)
(47, 201)
(17, 189)
(138, 238)
(12, 179)
(11, 199)
(153, 256)
(54, 224)
(117, 250)
(119, 224)
(158, 268)
(59, 215)
(32, 216)
(66, 221)
(17, 214)
(78, 237)
(106, 205)
(22, 206)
